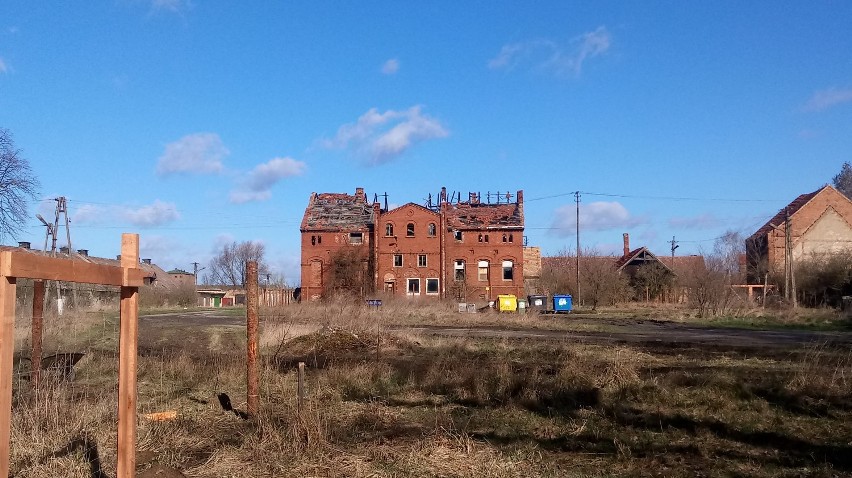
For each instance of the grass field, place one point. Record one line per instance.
(403, 405)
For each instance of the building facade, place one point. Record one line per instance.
(338, 243)
(469, 251)
(817, 223)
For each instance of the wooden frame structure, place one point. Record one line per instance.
(129, 277)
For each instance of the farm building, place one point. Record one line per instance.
(469, 250)
(818, 223)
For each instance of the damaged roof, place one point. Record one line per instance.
(485, 216)
(337, 212)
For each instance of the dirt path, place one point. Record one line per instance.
(182, 326)
(651, 333)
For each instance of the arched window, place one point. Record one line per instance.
(313, 240)
(389, 229)
(483, 271)
(409, 229)
(458, 266)
(432, 229)
(508, 270)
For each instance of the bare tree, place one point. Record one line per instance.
(17, 186)
(602, 283)
(229, 266)
(843, 180)
(728, 249)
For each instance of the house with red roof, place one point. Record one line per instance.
(817, 223)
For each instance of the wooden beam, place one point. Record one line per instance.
(252, 383)
(35, 266)
(7, 349)
(128, 344)
(36, 332)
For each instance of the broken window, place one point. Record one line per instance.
(313, 240)
(508, 270)
(389, 229)
(409, 229)
(459, 270)
(356, 237)
(421, 260)
(397, 260)
(483, 271)
(432, 229)
(319, 239)
(480, 238)
(511, 238)
(413, 286)
(486, 238)
(505, 238)
(458, 235)
(431, 286)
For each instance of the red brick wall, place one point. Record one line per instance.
(804, 218)
(394, 279)
(471, 250)
(318, 248)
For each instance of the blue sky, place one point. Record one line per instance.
(198, 123)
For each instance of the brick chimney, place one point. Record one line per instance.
(83, 252)
(24, 245)
(146, 261)
(626, 243)
(64, 250)
(359, 193)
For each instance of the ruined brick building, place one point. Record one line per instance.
(465, 250)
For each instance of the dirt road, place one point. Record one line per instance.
(629, 331)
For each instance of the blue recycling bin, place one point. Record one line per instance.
(562, 304)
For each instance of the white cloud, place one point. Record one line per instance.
(175, 6)
(257, 184)
(156, 214)
(198, 153)
(827, 98)
(701, 221)
(390, 67)
(3, 67)
(594, 216)
(381, 137)
(548, 55)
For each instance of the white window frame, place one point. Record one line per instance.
(408, 282)
(510, 267)
(459, 265)
(479, 269)
(423, 262)
(437, 286)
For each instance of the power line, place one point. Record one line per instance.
(661, 198)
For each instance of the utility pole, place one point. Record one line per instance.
(789, 266)
(577, 201)
(196, 270)
(674, 245)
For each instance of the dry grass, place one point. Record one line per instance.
(381, 405)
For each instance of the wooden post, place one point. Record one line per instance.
(252, 385)
(37, 326)
(128, 344)
(7, 349)
(300, 387)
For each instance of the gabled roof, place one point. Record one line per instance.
(636, 254)
(791, 209)
(414, 205)
(484, 216)
(337, 212)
